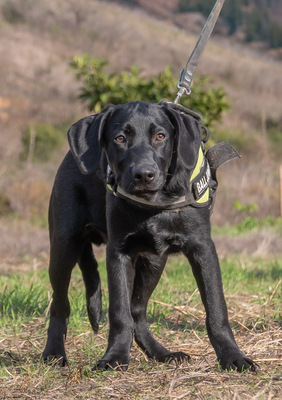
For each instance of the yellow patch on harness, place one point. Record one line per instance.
(205, 197)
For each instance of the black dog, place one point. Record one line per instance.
(136, 179)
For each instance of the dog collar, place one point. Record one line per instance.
(198, 194)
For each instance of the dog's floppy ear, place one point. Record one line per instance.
(188, 132)
(85, 137)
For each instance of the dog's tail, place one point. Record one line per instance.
(91, 277)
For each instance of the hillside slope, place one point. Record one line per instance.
(38, 40)
(247, 20)
(36, 48)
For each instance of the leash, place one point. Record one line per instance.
(186, 75)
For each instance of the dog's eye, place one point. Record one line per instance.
(120, 139)
(160, 137)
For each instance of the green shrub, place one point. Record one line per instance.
(236, 137)
(12, 12)
(5, 204)
(232, 12)
(256, 27)
(100, 89)
(203, 6)
(275, 34)
(250, 208)
(250, 223)
(46, 140)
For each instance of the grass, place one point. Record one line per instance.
(176, 316)
(249, 224)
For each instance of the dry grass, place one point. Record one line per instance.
(27, 378)
(178, 323)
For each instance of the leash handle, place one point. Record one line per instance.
(186, 75)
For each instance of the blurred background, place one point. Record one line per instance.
(41, 51)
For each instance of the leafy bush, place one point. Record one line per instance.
(100, 89)
(250, 208)
(203, 6)
(5, 204)
(250, 223)
(257, 20)
(12, 12)
(256, 27)
(231, 13)
(46, 140)
(275, 35)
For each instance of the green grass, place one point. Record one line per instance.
(176, 315)
(22, 299)
(250, 224)
(27, 296)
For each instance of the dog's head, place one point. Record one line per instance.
(147, 146)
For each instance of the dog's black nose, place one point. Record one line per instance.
(144, 174)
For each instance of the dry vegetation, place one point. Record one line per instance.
(198, 380)
(145, 379)
(37, 86)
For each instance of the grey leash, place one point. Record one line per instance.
(186, 75)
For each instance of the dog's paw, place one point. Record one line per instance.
(111, 364)
(177, 357)
(238, 362)
(54, 353)
(57, 359)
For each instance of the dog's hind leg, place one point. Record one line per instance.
(91, 277)
(63, 257)
(148, 273)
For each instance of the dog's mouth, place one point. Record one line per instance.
(142, 192)
(140, 196)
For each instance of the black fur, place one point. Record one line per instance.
(152, 150)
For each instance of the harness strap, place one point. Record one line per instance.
(198, 193)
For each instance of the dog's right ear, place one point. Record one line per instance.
(85, 137)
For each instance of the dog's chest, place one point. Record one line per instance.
(169, 230)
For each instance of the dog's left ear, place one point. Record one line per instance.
(188, 134)
(85, 137)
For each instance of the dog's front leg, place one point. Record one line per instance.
(204, 261)
(120, 281)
